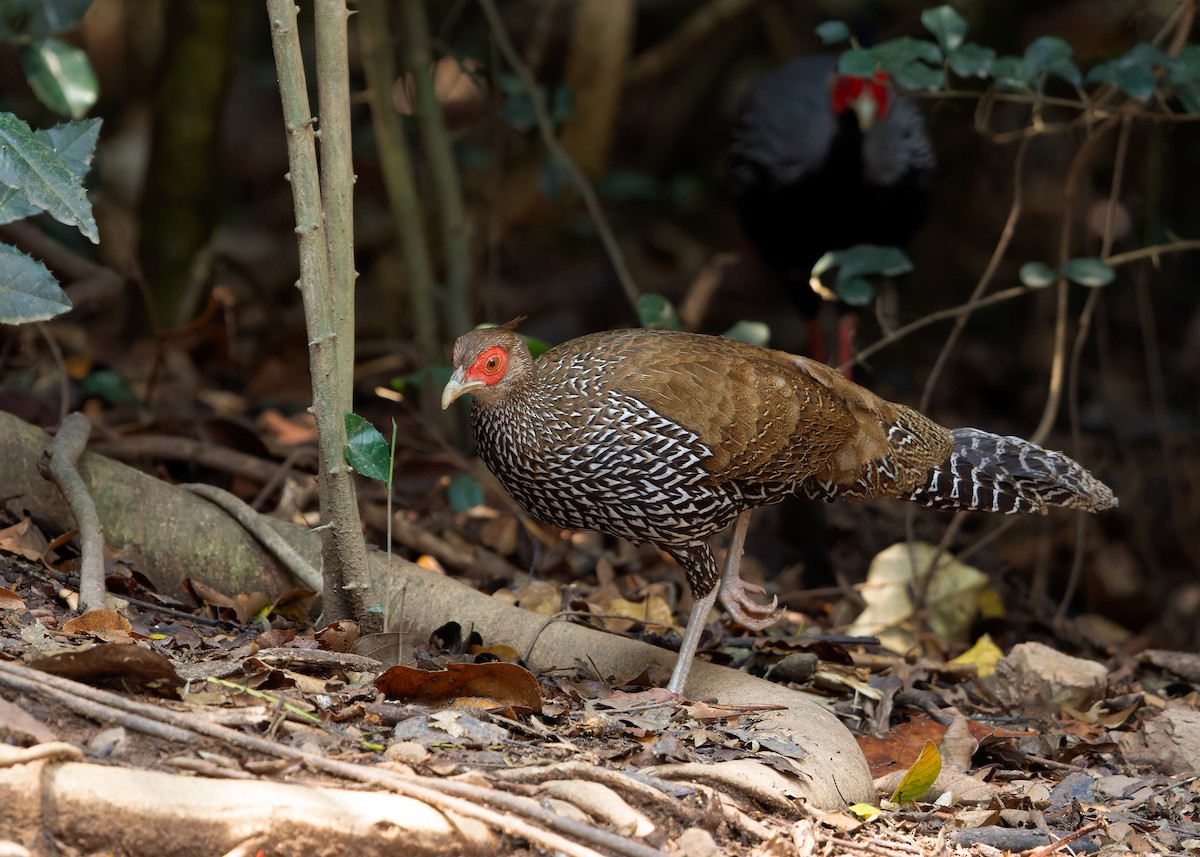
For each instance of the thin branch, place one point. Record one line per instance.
(1058, 362)
(546, 127)
(933, 317)
(455, 228)
(989, 273)
(1153, 251)
(380, 71)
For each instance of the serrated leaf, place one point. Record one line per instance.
(366, 449)
(1088, 272)
(61, 76)
(1035, 275)
(1010, 74)
(972, 60)
(28, 291)
(657, 313)
(464, 492)
(860, 62)
(856, 291)
(833, 32)
(947, 26)
(21, 20)
(923, 773)
(31, 167)
(754, 332)
(74, 142)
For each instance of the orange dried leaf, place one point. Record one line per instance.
(508, 684)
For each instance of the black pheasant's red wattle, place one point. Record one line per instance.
(667, 438)
(819, 162)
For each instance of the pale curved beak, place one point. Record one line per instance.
(865, 109)
(457, 386)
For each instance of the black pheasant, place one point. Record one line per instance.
(669, 437)
(820, 161)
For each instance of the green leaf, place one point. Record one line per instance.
(906, 49)
(464, 492)
(366, 450)
(22, 20)
(61, 76)
(1010, 74)
(860, 62)
(972, 60)
(33, 168)
(1048, 55)
(866, 259)
(28, 291)
(919, 77)
(1036, 275)
(947, 26)
(1088, 272)
(553, 179)
(562, 104)
(754, 332)
(74, 142)
(856, 291)
(657, 313)
(109, 385)
(518, 107)
(913, 63)
(832, 32)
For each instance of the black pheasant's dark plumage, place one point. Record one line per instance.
(819, 162)
(669, 437)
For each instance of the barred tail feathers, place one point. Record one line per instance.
(991, 473)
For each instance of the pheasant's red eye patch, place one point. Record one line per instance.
(489, 366)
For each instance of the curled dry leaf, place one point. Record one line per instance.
(507, 684)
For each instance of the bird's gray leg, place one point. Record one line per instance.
(691, 640)
(735, 593)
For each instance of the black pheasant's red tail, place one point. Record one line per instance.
(991, 473)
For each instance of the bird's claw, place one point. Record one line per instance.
(751, 614)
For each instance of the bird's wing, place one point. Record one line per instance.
(766, 416)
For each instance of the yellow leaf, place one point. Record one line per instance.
(865, 811)
(920, 776)
(984, 655)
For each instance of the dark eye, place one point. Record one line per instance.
(492, 364)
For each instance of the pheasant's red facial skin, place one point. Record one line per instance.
(489, 367)
(848, 90)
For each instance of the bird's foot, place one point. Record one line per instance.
(754, 615)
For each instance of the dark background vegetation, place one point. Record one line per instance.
(196, 218)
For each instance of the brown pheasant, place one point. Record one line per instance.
(668, 437)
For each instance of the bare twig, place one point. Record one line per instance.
(380, 70)
(515, 815)
(257, 526)
(455, 228)
(63, 453)
(985, 280)
(546, 127)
